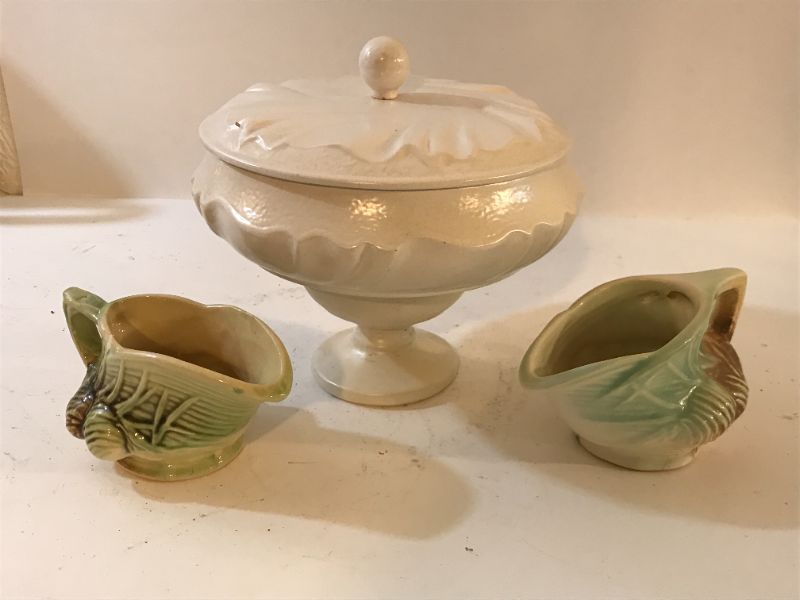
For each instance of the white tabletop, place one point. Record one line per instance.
(480, 492)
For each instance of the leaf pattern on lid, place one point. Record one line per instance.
(435, 119)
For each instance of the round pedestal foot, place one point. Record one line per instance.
(638, 462)
(182, 464)
(384, 368)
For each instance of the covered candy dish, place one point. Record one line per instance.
(387, 197)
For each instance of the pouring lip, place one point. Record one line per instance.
(694, 285)
(261, 391)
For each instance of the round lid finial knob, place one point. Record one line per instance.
(384, 66)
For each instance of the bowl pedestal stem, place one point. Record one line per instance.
(384, 361)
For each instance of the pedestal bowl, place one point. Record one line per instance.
(386, 205)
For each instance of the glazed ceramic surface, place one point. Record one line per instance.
(386, 204)
(643, 369)
(170, 384)
(431, 134)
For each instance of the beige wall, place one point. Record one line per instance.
(675, 107)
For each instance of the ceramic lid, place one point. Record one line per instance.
(384, 130)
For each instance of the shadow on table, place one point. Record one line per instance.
(747, 477)
(291, 466)
(36, 210)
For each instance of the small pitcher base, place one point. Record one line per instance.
(638, 462)
(183, 464)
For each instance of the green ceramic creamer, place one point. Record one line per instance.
(170, 384)
(642, 368)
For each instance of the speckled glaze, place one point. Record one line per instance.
(387, 243)
(642, 368)
(386, 210)
(170, 384)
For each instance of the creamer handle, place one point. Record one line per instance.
(725, 290)
(82, 311)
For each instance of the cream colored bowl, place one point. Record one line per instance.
(386, 196)
(387, 259)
